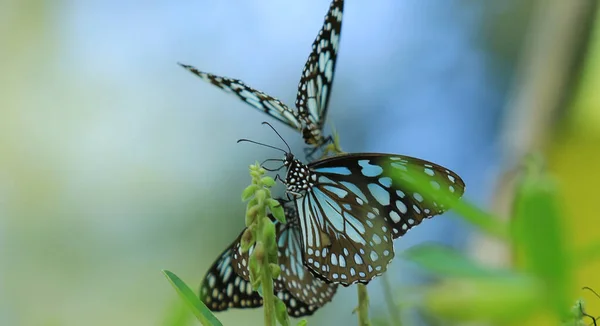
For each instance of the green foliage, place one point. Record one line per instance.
(539, 237)
(200, 310)
(543, 279)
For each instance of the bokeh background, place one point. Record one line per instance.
(116, 163)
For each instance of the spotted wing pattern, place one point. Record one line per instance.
(254, 97)
(222, 288)
(352, 206)
(314, 88)
(295, 278)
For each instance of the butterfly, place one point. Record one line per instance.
(352, 206)
(314, 88)
(227, 282)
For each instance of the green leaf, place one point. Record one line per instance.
(539, 237)
(444, 261)
(471, 213)
(281, 312)
(199, 309)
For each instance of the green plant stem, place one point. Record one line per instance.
(363, 306)
(266, 277)
(389, 300)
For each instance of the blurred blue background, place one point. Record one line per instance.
(117, 163)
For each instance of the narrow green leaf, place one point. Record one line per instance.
(199, 309)
(444, 261)
(540, 238)
(281, 312)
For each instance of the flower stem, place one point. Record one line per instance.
(363, 306)
(266, 277)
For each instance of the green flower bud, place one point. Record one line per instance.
(275, 270)
(247, 239)
(259, 253)
(249, 192)
(267, 181)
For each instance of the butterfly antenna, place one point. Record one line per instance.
(286, 144)
(261, 144)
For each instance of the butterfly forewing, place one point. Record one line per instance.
(254, 97)
(314, 88)
(295, 278)
(418, 189)
(390, 183)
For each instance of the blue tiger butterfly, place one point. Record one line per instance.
(314, 88)
(351, 207)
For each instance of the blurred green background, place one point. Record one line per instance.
(115, 163)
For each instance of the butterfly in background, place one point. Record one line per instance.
(351, 206)
(314, 88)
(227, 282)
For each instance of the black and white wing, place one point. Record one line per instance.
(254, 97)
(354, 205)
(314, 88)
(295, 278)
(223, 288)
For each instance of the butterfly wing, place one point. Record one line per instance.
(295, 278)
(340, 234)
(358, 203)
(255, 98)
(314, 88)
(223, 288)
